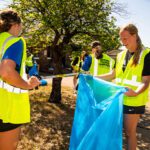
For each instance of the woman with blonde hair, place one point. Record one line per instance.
(132, 71)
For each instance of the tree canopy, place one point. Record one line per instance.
(51, 22)
(59, 24)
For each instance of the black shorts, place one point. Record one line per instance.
(133, 109)
(8, 126)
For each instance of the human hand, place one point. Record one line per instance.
(130, 92)
(33, 82)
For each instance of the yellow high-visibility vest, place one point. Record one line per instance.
(131, 77)
(29, 61)
(76, 67)
(102, 65)
(14, 102)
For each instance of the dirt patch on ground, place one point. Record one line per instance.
(51, 124)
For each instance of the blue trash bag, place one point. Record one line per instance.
(98, 115)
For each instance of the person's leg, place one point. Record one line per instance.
(9, 139)
(130, 125)
(74, 82)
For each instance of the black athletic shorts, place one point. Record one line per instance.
(8, 126)
(133, 109)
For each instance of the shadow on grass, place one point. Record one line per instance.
(51, 124)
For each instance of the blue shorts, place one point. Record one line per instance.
(133, 109)
(8, 126)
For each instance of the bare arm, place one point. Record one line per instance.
(11, 76)
(141, 88)
(109, 76)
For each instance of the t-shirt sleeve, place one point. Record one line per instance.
(146, 68)
(87, 63)
(14, 52)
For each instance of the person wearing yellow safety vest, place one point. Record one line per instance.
(76, 66)
(132, 71)
(101, 62)
(14, 86)
(29, 61)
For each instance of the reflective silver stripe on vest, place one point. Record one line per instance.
(132, 82)
(144, 48)
(24, 76)
(140, 57)
(118, 80)
(12, 89)
(3, 46)
(111, 63)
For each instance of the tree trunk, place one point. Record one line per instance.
(55, 96)
(57, 54)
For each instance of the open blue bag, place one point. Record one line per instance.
(98, 117)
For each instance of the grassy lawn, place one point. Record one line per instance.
(51, 124)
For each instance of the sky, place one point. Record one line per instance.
(138, 14)
(4, 3)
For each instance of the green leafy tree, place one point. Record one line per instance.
(57, 23)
